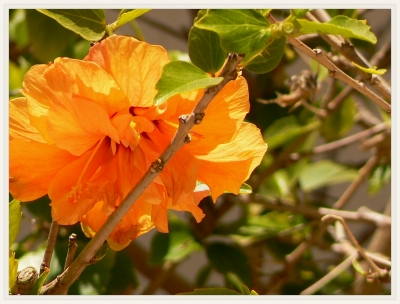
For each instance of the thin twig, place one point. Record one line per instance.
(363, 214)
(362, 174)
(341, 142)
(51, 242)
(353, 240)
(351, 54)
(330, 275)
(335, 72)
(63, 281)
(72, 247)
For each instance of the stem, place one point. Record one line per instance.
(63, 281)
(353, 240)
(72, 247)
(362, 174)
(330, 276)
(342, 142)
(51, 242)
(350, 53)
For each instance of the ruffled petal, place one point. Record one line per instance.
(136, 66)
(33, 165)
(74, 189)
(19, 122)
(78, 124)
(229, 165)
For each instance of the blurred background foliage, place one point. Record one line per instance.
(243, 239)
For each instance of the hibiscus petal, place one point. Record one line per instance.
(229, 165)
(78, 124)
(136, 66)
(32, 167)
(19, 121)
(72, 192)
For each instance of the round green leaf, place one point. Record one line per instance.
(15, 216)
(180, 77)
(243, 31)
(205, 50)
(90, 24)
(268, 59)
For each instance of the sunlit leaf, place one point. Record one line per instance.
(15, 216)
(268, 59)
(300, 13)
(125, 16)
(339, 25)
(181, 77)
(358, 267)
(242, 31)
(12, 270)
(372, 70)
(325, 173)
(90, 24)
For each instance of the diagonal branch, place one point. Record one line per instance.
(63, 281)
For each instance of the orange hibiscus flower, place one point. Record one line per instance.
(87, 131)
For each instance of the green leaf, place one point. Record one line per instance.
(15, 216)
(47, 44)
(339, 25)
(180, 77)
(90, 24)
(125, 16)
(242, 31)
(253, 293)
(268, 59)
(35, 290)
(284, 130)
(379, 178)
(211, 291)
(340, 121)
(325, 173)
(300, 13)
(372, 70)
(174, 246)
(12, 270)
(227, 258)
(205, 50)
